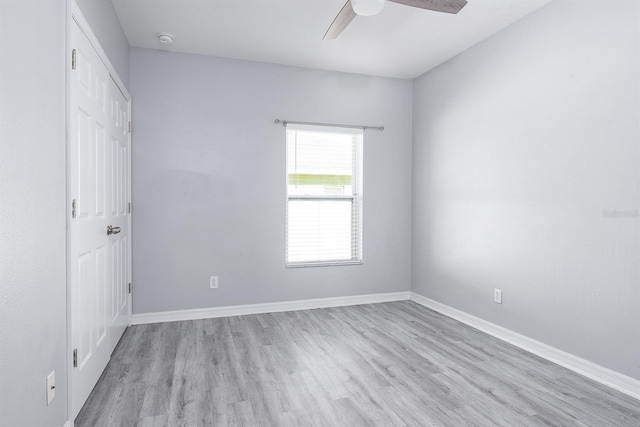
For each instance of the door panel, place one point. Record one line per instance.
(83, 160)
(101, 170)
(101, 294)
(85, 294)
(113, 288)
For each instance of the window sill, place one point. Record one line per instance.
(322, 264)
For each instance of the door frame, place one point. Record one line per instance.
(75, 16)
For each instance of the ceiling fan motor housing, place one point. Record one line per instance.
(367, 7)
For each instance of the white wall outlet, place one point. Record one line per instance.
(497, 295)
(213, 282)
(51, 387)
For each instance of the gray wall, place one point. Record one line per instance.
(209, 180)
(32, 211)
(523, 147)
(104, 22)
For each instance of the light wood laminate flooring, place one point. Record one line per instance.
(390, 364)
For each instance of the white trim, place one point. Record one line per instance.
(67, 246)
(303, 264)
(615, 380)
(605, 376)
(274, 307)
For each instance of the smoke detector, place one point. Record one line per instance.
(165, 39)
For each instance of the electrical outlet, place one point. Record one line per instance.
(213, 282)
(497, 295)
(51, 387)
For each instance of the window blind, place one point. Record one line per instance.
(324, 195)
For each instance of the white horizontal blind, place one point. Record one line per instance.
(324, 195)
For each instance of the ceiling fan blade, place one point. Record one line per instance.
(344, 17)
(447, 6)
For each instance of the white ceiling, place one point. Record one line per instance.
(401, 41)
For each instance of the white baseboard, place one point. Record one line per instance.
(615, 380)
(239, 310)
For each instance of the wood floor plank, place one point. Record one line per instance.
(393, 364)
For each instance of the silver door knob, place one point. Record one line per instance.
(112, 230)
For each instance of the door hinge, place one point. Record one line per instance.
(129, 208)
(73, 208)
(73, 59)
(129, 287)
(75, 357)
(129, 127)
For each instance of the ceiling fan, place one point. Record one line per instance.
(373, 7)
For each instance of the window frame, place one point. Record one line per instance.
(356, 197)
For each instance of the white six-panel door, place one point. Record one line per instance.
(99, 182)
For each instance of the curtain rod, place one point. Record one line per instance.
(363, 127)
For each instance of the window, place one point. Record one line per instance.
(324, 195)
